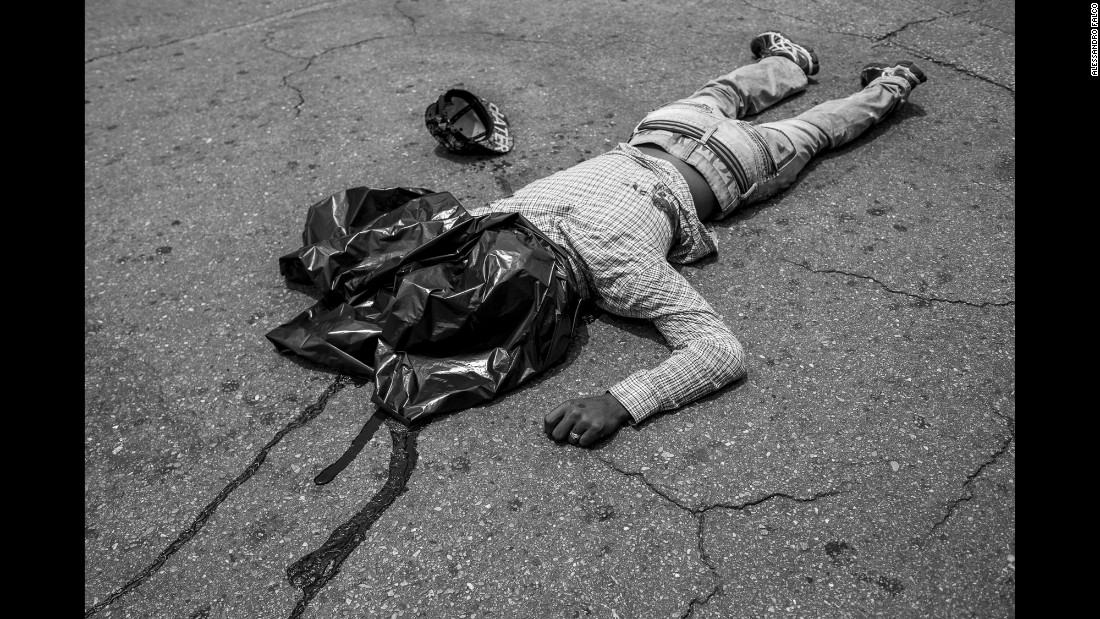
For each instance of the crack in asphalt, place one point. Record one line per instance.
(888, 37)
(806, 266)
(412, 20)
(954, 66)
(705, 558)
(307, 415)
(954, 505)
(919, 21)
(863, 36)
(311, 59)
(699, 513)
(266, 42)
(943, 63)
(695, 511)
(700, 517)
(197, 37)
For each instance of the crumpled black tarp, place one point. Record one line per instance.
(443, 309)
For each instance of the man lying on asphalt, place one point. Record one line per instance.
(623, 216)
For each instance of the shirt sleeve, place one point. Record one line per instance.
(706, 355)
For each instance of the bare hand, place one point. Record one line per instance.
(590, 419)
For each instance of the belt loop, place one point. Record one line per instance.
(702, 140)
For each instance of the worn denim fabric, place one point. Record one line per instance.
(744, 162)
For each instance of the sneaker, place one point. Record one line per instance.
(906, 69)
(774, 43)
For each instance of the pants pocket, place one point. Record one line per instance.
(779, 145)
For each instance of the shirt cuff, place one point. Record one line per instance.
(637, 396)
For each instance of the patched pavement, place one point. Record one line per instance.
(866, 466)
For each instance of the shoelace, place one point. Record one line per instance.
(778, 45)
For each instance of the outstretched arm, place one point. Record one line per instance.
(706, 355)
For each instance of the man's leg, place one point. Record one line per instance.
(781, 72)
(752, 88)
(709, 118)
(793, 142)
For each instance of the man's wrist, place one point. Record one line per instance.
(619, 411)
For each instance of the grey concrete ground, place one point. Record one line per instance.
(866, 467)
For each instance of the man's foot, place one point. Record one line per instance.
(774, 43)
(906, 69)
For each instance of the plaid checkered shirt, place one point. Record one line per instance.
(622, 217)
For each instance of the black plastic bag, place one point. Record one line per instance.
(443, 309)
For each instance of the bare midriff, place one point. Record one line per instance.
(701, 194)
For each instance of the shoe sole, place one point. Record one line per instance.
(863, 81)
(815, 66)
